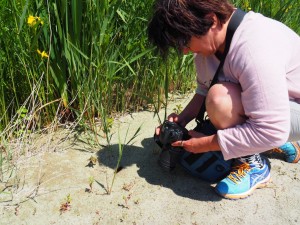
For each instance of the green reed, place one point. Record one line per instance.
(94, 57)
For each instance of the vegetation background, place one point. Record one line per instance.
(91, 57)
(85, 61)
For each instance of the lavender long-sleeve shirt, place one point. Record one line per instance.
(264, 58)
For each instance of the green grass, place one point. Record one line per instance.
(99, 58)
(286, 11)
(100, 62)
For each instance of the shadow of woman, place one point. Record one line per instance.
(146, 159)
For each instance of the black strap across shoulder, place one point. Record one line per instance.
(234, 22)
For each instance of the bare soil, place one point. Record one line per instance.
(52, 186)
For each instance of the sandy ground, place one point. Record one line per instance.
(142, 193)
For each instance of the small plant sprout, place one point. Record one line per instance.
(92, 161)
(137, 201)
(66, 205)
(178, 109)
(126, 200)
(91, 182)
(121, 148)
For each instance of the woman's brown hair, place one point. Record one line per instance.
(174, 22)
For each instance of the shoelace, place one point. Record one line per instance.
(278, 150)
(239, 172)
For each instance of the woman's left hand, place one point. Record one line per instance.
(198, 143)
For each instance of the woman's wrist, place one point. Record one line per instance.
(183, 120)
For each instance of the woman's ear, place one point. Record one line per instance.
(216, 22)
(215, 19)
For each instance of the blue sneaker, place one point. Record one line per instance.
(243, 180)
(291, 151)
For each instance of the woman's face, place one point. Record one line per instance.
(208, 44)
(204, 45)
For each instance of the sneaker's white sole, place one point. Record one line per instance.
(261, 184)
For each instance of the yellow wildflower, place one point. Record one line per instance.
(246, 5)
(33, 20)
(43, 54)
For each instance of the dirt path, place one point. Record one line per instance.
(142, 192)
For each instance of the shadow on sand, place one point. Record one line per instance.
(145, 158)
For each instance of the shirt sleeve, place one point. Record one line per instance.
(259, 67)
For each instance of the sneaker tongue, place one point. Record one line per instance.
(253, 160)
